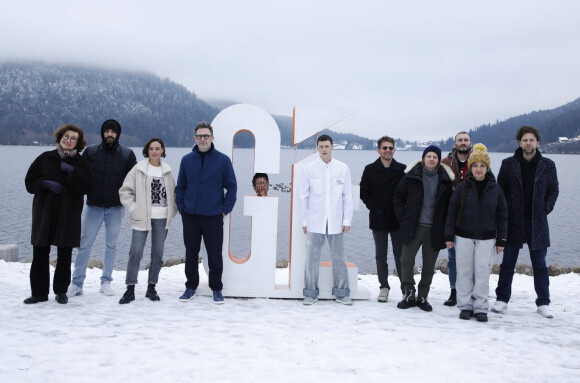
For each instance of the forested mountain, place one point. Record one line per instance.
(36, 98)
(563, 121)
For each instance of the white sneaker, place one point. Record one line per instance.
(106, 289)
(545, 311)
(383, 295)
(309, 301)
(499, 307)
(74, 290)
(344, 300)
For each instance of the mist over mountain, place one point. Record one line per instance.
(36, 98)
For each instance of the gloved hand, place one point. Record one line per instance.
(66, 167)
(53, 186)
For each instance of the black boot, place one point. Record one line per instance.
(407, 301)
(61, 298)
(151, 293)
(129, 295)
(452, 301)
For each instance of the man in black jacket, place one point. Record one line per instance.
(530, 185)
(421, 201)
(377, 187)
(110, 163)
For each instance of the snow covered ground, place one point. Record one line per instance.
(93, 338)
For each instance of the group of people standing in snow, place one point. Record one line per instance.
(457, 203)
(434, 203)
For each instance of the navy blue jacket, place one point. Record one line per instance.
(408, 203)
(483, 218)
(201, 190)
(110, 165)
(545, 194)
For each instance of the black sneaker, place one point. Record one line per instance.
(408, 300)
(129, 295)
(481, 317)
(465, 314)
(452, 301)
(152, 293)
(423, 304)
(33, 300)
(61, 298)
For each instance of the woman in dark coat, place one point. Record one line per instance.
(59, 179)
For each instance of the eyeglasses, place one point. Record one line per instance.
(388, 147)
(202, 136)
(66, 137)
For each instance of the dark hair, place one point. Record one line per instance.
(455, 139)
(259, 175)
(204, 125)
(324, 137)
(148, 144)
(61, 130)
(385, 139)
(527, 129)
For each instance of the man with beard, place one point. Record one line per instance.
(110, 162)
(457, 161)
(377, 187)
(530, 185)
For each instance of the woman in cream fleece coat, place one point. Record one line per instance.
(148, 193)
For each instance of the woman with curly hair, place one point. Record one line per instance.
(59, 179)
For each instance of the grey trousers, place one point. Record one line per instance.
(421, 239)
(339, 271)
(158, 234)
(473, 257)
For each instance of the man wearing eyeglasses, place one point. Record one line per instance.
(110, 162)
(377, 187)
(203, 175)
(457, 161)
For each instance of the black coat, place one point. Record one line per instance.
(56, 218)
(377, 188)
(408, 203)
(110, 167)
(483, 218)
(546, 192)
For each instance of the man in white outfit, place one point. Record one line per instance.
(326, 209)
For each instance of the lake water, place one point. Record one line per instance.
(17, 205)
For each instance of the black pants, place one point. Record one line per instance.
(382, 249)
(40, 271)
(212, 229)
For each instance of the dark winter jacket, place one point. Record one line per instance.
(545, 194)
(201, 190)
(56, 218)
(408, 203)
(483, 218)
(451, 161)
(377, 187)
(110, 165)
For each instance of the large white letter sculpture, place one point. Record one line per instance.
(255, 275)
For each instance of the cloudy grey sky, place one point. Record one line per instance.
(415, 69)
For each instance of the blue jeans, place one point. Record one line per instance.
(540, 270)
(138, 239)
(339, 271)
(451, 267)
(94, 218)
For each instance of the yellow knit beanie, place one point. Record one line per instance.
(479, 154)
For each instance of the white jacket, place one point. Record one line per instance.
(325, 196)
(135, 195)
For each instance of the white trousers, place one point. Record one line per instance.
(473, 257)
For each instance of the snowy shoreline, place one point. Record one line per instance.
(93, 338)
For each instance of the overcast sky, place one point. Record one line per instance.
(415, 69)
